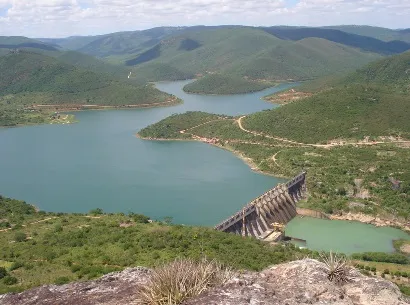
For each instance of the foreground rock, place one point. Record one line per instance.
(300, 282)
(118, 288)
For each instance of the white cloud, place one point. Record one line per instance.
(56, 18)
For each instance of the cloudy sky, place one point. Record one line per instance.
(60, 18)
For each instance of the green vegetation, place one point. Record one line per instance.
(244, 59)
(394, 258)
(224, 84)
(170, 127)
(393, 71)
(65, 247)
(30, 79)
(354, 111)
(375, 32)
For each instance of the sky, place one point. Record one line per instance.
(62, 18)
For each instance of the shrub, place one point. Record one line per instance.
(3, 272)
(20, 237)
(139, 218)
(397, 273)
(367, 268)
(182, 279)
(62, 280)
(337, 267)
(16, 265)
(373, 269)
(404, 274)
(365, 272)
(394, 258)
(386, 271)
(10, 280)
(97, 211)
(58, 228)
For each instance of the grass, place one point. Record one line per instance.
(181, 280)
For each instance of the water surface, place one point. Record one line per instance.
(99, 162)
(343, 236)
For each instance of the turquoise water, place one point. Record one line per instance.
(99, 162)
(343, 236)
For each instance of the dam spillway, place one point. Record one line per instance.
(277, 205)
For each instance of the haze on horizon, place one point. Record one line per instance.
(62, 18)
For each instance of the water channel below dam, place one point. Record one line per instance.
(98, 162)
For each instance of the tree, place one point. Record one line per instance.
(168, 219)
(20, 237)
(97, 211)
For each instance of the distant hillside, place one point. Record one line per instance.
(394, 70)
(224, 84)
(126, 42)
(364, 43)
(24, 43)
(375, 32)
(93, 64)
(245, 53)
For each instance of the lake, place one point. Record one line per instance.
(99, 162)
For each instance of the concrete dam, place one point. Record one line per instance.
(276, 206)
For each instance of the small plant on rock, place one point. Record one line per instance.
(337, 267)
(182, 279)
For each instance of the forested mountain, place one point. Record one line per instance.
(375, 32)
(31, 79)
(250, 58)
(9, 43)
(373, 101)
(364, 43)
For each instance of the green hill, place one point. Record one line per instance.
(394, 70)
(373, 101)
(92, 63)
(8, 43)
(380, 33)
(29, 79)
(225, 84)
(354, 111)
(246, 53)
(364, 43)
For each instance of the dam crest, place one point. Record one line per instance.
(277, 206)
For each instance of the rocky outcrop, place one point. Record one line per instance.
(369, 219)
(118, 288)
(299, 282)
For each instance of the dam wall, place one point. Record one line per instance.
(277, 205)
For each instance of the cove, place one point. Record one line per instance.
(343, 236)
(99, 162)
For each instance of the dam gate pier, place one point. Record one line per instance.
(264, 215)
